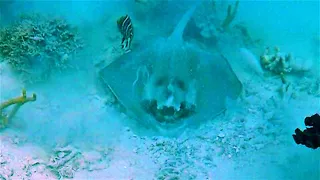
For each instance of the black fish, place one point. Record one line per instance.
(126, 29)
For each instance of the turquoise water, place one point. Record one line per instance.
(233, 116)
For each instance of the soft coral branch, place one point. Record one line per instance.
(231, 14)
(18, 102)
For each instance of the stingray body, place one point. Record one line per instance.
(171, 84)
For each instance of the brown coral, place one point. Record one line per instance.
(231, 14)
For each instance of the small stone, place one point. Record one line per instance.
(259, 146)
(205, 33)
(135, 150)
(64, 58)
(221, 135)
(219, 150)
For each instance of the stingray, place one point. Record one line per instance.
(171, 84)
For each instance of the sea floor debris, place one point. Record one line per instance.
(249, 135)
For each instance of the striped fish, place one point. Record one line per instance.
(126, 29)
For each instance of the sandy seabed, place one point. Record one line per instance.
(70, 131)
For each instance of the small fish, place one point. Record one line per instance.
(126, 29)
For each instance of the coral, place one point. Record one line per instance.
(212, 26)
(18, 102)
(284, 63)
(37, 42)
(231, 14)
(207, 19)
(211, 18)
(278, 63)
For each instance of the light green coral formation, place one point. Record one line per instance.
(18, 102)
(34, 40)
(276, 62)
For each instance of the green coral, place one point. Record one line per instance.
(277, 63)
(35, 38)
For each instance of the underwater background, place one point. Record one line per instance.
(83, 122)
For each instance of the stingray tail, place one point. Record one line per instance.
(179, 29)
